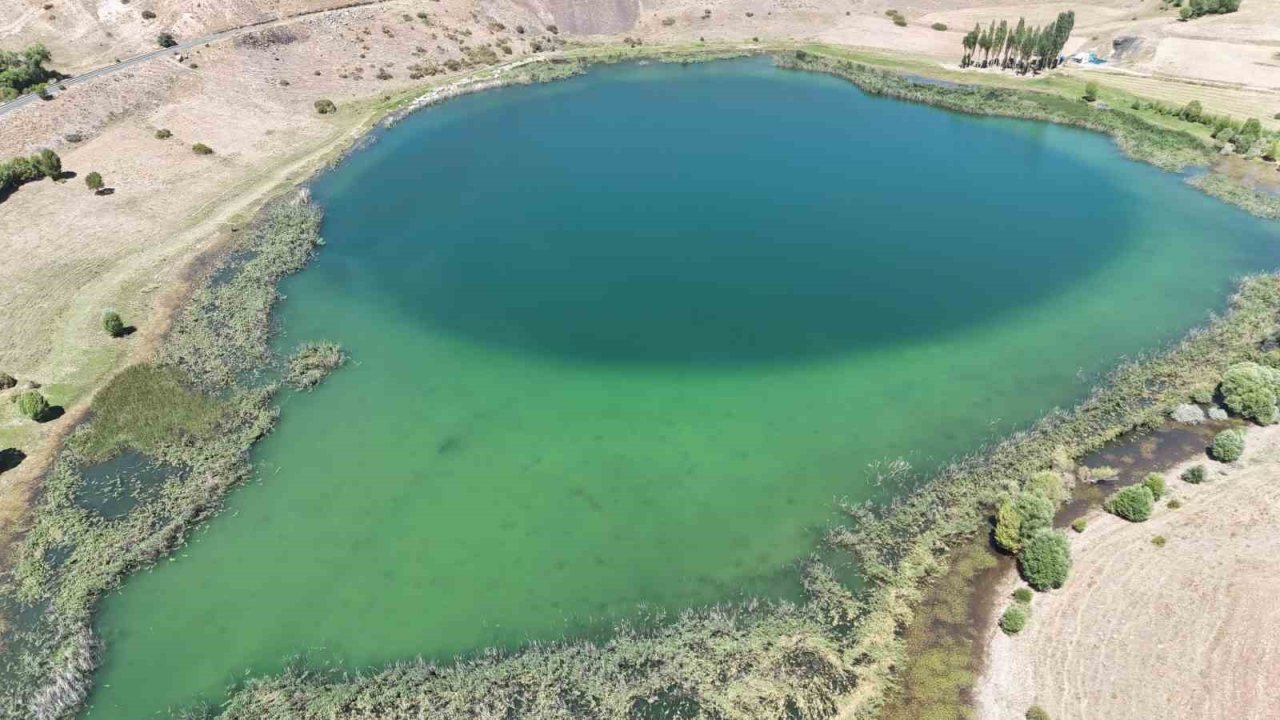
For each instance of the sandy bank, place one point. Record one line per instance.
(1187, 630)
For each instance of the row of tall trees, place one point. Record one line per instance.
(1021, 47)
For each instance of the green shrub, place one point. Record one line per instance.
(1079, 524)
(1036, 512)
(1008, 534)
(1158, 541)
(94, 181)
(1035, 712)
(1091, 91)
(1132, 503)
(163, 134)
(1020, 518)
(32, 404)
(165, 40)
(1022, 595)
(940, 27)
(1014, 619)
(324, 107)
(1227, 446)
(1155, 483)
(112, 323)
(899, 21)
(1195, 474)
(201, 149)
(1045, 560)
(7, 381)
(1250, 390)
(1174, 504)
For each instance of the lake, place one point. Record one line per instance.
(621, 343)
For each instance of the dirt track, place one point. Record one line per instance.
(1188, 631)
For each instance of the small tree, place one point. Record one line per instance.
(32, 404)
(165, 40)
(1132, 503)
(1045, 560)
(48, 164)
(94, 181)
(1228, 446)
(112, 323)
(324, 106)
(1155, 483)
(1090, 91)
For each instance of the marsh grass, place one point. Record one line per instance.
(145, 407)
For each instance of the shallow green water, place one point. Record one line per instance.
(625, 339)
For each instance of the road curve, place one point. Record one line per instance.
(53, 89)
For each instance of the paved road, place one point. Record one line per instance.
(180, 47)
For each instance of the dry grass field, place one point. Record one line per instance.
(1186, 631)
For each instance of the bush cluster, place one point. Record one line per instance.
(24, 72)
(17, 171)
(1199, 8)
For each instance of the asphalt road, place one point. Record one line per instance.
(180, 47)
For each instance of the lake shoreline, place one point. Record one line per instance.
(873, 616)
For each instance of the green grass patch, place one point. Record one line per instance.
(146, 407)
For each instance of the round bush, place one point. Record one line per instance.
(1022, 595)
(1195, 474)
(324, 107)
(1227, 446)
(1155, 483)
(112, 323)
(1014, 619)
(1250, 390)
(1132, 503)
(1035, 712)
(32, 404)
(1045, 560)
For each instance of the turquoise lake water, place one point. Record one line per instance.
(624, 340)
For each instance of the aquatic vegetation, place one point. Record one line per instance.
(312, 363)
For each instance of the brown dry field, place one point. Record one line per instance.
(1188, 631)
